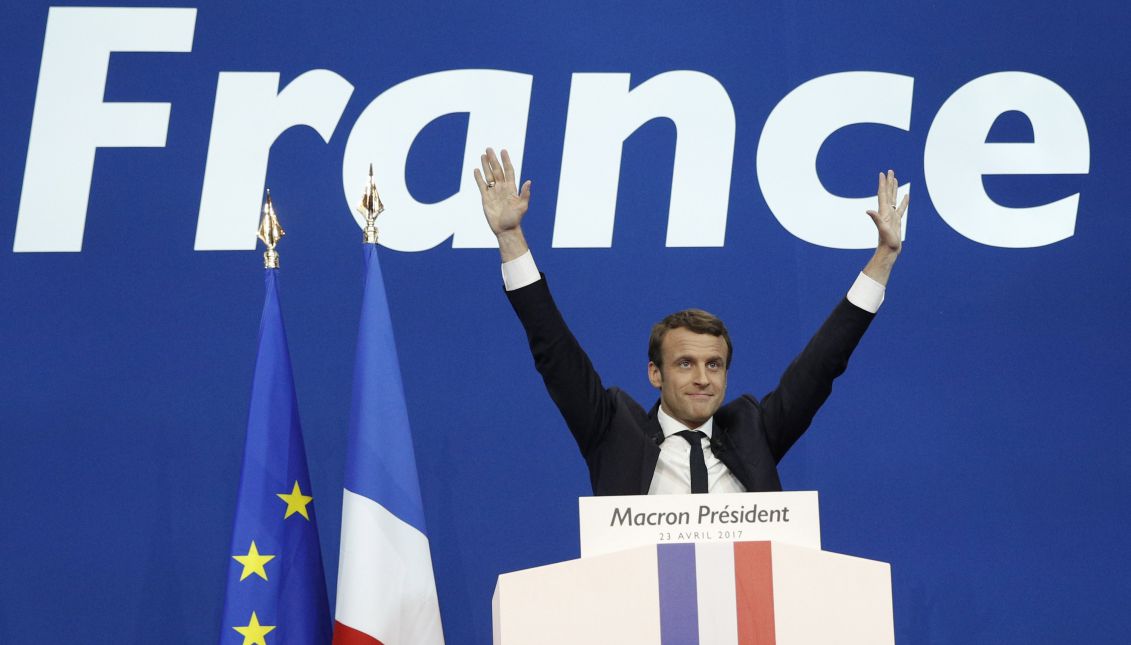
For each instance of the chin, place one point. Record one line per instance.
(699, 419)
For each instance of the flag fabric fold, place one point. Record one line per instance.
(386, 588)
(276, 586)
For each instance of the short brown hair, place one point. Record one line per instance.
(694, 320)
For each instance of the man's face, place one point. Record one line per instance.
(693, 377)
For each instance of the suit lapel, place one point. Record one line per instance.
(655, 436)
(724, 452)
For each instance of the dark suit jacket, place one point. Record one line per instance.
(621, 441)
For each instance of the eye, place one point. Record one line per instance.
(713, 365)
(683, 362)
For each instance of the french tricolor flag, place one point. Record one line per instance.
(386, 590)
(716, 594)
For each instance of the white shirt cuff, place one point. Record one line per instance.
(520, 272)
(865, 293)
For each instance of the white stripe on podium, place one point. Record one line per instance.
(714, 588)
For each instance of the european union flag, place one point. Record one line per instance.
(276, 590)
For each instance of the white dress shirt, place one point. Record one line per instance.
(673, 470)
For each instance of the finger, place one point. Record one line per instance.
(893, 185)
(496, 168)
(903, 205)
(486, 168)
(874, 215)
(479, 182)
(881, 189)
(508, 169)
(525, 193)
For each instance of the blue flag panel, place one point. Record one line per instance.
(275, 578)
(381, 464)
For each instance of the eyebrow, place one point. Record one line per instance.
(687, 357)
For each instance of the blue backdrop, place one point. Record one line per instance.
(978, 442)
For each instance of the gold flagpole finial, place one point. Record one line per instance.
(270, 232)
(370, 207)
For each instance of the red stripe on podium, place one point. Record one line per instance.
(345, 635)
(754, 592)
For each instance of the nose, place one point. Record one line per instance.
(700, 376)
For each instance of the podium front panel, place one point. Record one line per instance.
(744, 593)
(609, 599)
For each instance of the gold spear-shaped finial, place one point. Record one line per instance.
(270, 232)
(370, 207)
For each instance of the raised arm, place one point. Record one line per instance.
(807, 382)
(570, 378)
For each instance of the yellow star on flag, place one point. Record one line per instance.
(296, 502)
(253, 562)
(254, 633)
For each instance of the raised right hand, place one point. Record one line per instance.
(503, 204)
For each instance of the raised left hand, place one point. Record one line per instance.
(889, 216)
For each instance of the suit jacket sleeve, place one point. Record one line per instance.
(569, 376)
(788, 410)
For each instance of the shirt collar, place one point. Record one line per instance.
(670, 426)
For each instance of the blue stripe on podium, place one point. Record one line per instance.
(679, 604)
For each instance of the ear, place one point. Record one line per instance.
(655, 376)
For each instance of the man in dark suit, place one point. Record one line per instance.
(716, 448)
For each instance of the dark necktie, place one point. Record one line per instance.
(698, 466)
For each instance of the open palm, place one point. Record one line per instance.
(889, 216)
(503, 204)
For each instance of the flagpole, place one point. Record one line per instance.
(370, 207)
(270, 232)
